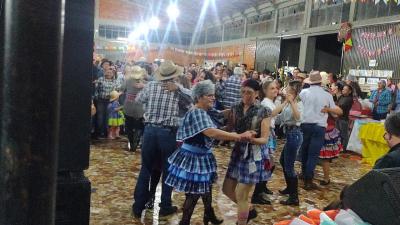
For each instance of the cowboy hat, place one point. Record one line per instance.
(315, 77)
(302, 75)
(114, 95)
(135, 72)
(168, 70)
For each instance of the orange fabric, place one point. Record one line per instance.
(285, 222)
(332, 213)
(308, 220)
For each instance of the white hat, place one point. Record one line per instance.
(136, 72)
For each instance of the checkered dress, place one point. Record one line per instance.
(193, 167)
(247, 164)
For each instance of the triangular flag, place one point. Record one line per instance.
(348, 44)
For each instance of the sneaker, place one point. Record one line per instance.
(168, 211)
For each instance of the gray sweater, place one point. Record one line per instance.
(131, 107)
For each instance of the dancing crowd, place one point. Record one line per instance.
(178, 114)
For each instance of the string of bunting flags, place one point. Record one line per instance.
(374, 1)
(208, 54)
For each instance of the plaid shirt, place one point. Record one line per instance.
(162, 106)
(104, 87)
(384, 99)
(231, 91)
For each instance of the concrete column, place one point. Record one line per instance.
(30, 79)
(308, 13)
(276, 20)
(307, 52)
(352, 14)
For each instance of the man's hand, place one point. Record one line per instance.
(170, 86)
(325, 109)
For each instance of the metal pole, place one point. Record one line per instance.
(30, 80)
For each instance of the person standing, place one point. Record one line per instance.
(381, 99)
(345, 102)
(249, 159)
(193, 168)
(231, 89)
(162, 99)
(317, 103)
(133, 110)
(291, 119)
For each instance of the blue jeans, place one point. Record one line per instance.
(294, 138)
(313, 140)
(157, 142)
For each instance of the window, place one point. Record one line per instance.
(368, 9)
(291, 18)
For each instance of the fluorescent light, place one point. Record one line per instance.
(173, 11)
(154, 23)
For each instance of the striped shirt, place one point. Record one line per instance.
(231, 91)
(162, 106)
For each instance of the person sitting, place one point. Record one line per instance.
(392, 137)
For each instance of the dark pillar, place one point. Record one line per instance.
(73, 188)
(30, 79)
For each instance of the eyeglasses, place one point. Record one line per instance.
(246, 92)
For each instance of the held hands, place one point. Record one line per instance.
(170, 86)
(247, 136)
(325, 109)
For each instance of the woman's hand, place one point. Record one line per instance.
(247, 136)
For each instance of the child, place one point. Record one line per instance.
(115, 116)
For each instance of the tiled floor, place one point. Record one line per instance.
(113, 172)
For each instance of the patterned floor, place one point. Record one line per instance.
(113, 172)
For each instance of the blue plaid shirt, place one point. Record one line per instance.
(384, 99)
(162, 106)
(231, 91)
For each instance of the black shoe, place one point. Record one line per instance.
(293, 192)
(309, 185)
(150, 203)
(252, 215)
(211, 217)
(261, 199)
(268, 192)
(168, 211)
(135, 213)
(284, 191)
(324, 183)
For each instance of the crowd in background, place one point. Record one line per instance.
(156, 104)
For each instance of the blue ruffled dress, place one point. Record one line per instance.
(193, 167)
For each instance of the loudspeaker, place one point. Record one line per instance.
(375, 197)
(76, 86)
(72, 199)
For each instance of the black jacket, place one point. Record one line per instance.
(390, 160)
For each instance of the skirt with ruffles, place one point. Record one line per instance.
(332, 146)
(192, 170)
(249, 170)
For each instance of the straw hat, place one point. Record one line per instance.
(168, 70)
(302, 75)
(114, 95)
(315, 77)
(136, 72)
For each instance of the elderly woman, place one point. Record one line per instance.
(248, 159)
(193, 168)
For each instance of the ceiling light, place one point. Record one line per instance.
(173, 11)
(142, 29)
(154, 23)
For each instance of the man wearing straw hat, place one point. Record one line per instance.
(162, 99)
(317, 104)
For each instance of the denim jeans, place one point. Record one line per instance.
(294, 138)
(101, 117)
(157, 142)
(343, 126)
(313, 140)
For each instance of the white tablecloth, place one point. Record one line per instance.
(354, 144)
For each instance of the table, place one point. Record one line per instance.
(373, 144)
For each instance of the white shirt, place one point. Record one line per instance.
(266, 102)
(314, 99)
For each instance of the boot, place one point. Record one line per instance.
(211, 217)
(293, 193)
(309, 185)
(286, 190)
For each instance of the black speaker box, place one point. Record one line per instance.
(72, 199)
(376, 197)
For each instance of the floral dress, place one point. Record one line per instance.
(248, 163)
